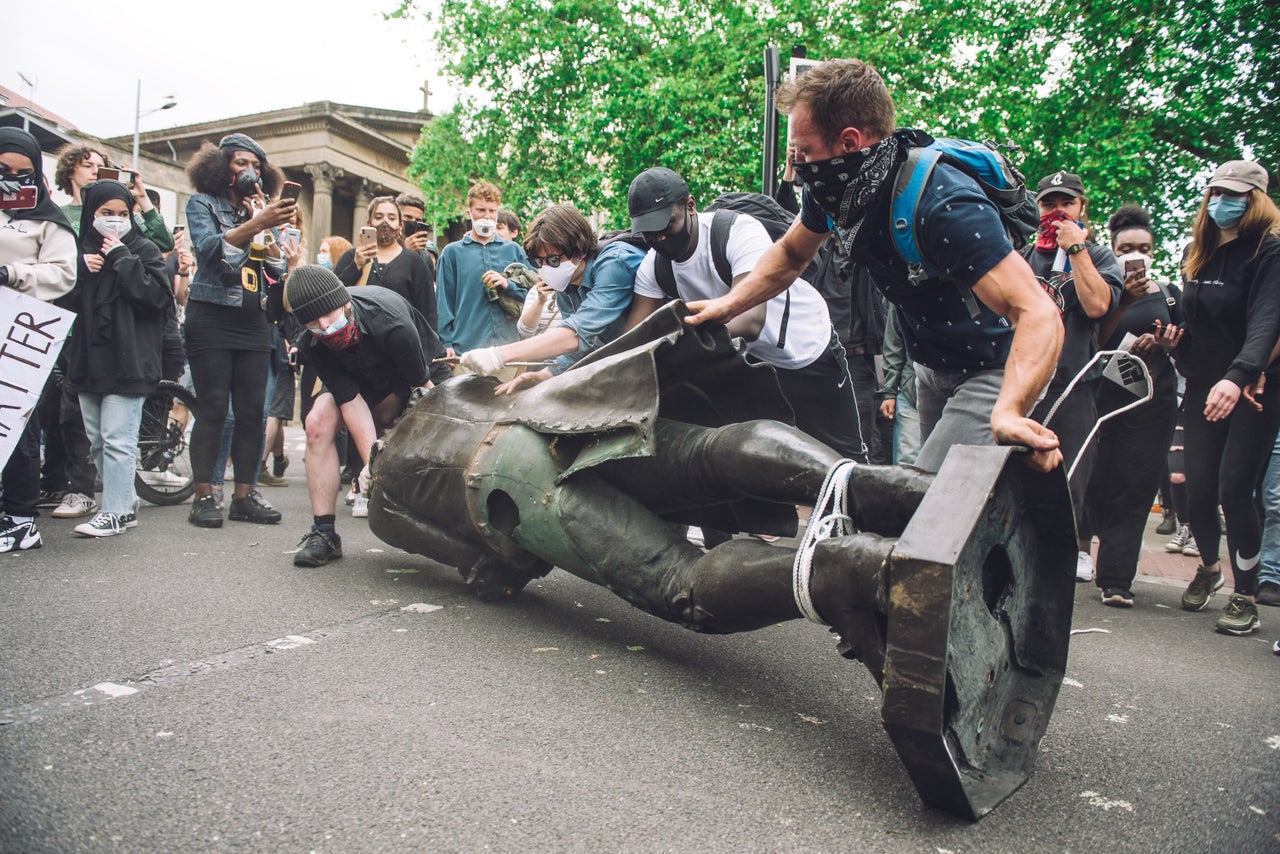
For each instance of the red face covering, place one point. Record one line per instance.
(347, 336)
(1047, 241)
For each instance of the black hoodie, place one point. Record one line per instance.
(116, 342)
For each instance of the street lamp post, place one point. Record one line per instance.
(169, 103)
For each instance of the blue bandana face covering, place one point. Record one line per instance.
(1227, 211)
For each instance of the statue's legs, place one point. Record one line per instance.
(767, 460)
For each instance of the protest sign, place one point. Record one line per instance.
(31, 336)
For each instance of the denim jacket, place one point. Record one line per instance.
(218, 263)
(596, 310)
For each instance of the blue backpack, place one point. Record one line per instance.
(1000, 181)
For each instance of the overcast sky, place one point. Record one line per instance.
(227, 59)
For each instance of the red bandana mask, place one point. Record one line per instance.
(1047, 241)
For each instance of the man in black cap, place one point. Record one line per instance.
(1084, 281)
(372, 350)
(699, 257)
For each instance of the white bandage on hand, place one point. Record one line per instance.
(362, 482)
(484, 361)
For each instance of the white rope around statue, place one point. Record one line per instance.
(830, 518)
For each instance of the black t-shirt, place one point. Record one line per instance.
(1138, 318)
(394, 355)
(944, 325)
(1080, 332)
(406, 274)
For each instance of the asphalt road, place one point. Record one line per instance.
(177, 689)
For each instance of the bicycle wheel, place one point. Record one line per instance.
(164, 474)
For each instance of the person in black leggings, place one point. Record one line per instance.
(233, 233)
(1226, 347)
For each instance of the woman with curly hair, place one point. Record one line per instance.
(234, 234)
(1226, 347)
(1133, 446)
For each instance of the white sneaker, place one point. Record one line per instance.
(75, 505)
(360, 508)
(1180, 539)
(1084, 566)
(102, 525)
(18, 536)
(351, 496)
(162, 478)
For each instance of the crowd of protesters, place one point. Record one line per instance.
(986, 342)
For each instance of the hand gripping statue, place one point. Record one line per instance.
(955, 590)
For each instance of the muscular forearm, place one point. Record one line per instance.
(773, 274)
(1033, 355)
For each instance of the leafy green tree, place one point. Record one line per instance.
(444, 164)
(1141, 99)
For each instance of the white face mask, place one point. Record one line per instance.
(485, 227)
(1147, 260)
(557, 278)
(111, 226)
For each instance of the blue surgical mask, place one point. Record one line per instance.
(335, 327)
(1227, 211)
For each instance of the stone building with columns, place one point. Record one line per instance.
(342, 155)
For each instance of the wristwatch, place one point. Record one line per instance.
(1076, 249)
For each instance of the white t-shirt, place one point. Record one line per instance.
(808, 323)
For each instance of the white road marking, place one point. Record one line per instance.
(1105, 803)
(421, 608)
(37, 710)
(1090, 631)
(289, 642)
(112, 690)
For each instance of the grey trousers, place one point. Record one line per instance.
(955, 409)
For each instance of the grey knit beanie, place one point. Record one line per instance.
(311, 291)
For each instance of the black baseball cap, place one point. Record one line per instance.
(1060, 182)
(651, 196)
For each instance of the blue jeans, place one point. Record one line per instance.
(112, 422)
(906, 431)
(1269, 565)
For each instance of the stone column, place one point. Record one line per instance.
(321, 226)
(364, 195)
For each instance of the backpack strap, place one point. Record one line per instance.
(908, 186)
(721, 224)
(666, 275)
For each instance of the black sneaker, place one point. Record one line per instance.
(1117, 597)
(253, 508)
(205, 513)
(318, 548)
(1268, 594)
(278, 467)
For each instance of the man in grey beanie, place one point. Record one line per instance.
(371, 349)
